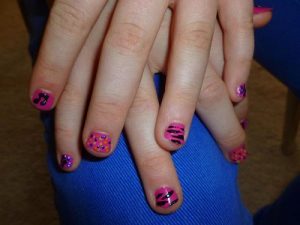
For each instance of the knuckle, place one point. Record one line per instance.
(143, 104)
(128, 39)
(63, 132)
(72, 95)
(69, 17)
(197, 35)
(212, 91)
(154, 163)
(111, 108)
(232, 139)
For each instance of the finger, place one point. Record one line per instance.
(241, 111)
(193, 30)
(68, 26)
(70, 111)
(217, 112)
(236, 22)
(262, 16)
(124, 54)
(155, 166)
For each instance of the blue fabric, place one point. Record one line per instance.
(109, 191)
(277, 45)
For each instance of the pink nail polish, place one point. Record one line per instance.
(244, 123)
(99, 142)
(175, 133)
(165, 197)
(42, 100)
(258, 10)
(241, 91)
(238, 155)
(66, 161)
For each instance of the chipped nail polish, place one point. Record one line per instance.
(66, 161)
(175, 133)
(260, 9)
(244, 123)
(42, 100)
(165, 197)
(99, 142)
(241, 90)
(238, 155)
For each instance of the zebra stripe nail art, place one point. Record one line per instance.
(175, 133)
(165, 197)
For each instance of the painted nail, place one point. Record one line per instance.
(238, 155)
(99, 142)
(259, 9)
(175, 133)
(42, 100)
(165, 197)
(66, 161)
(244, 123)
(241, 90)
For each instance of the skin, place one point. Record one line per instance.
(154, 164)
(125, 47)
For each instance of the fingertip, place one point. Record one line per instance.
(67, 162)
(166, 200)
(42, 99)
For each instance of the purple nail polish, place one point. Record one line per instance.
(42, 100)
(99, 142)
(175, 133)
(66, 161)
(260, 9)
(238, 155)
(165, 197)
(244, 123)
(241, 90)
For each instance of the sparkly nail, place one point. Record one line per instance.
(99, 142)
(42, 100)
(66, 161)
(175, 133)
(165, 197)
(238, 155)
(260, 9)
(241, 91)
(244, 123)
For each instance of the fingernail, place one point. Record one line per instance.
(165, 197)
(238, 155)
(66, 161)
(244, 123)
(42, 100)
(99, 142)
(259, 9)
(175, 133)
(241, 90)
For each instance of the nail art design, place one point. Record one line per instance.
(99, 142)
(175, 133)
(244, 124)
(260, 9)
(238, 155)
(42, 100)
(66, 161)
(165, 197)
(241, 91)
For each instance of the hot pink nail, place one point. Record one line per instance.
(238, 155)
(99, 142)
(165, 197)
(175, 133)
(42, 100)
(258, 10)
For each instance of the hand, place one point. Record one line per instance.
(125, 46)
(154, 164)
